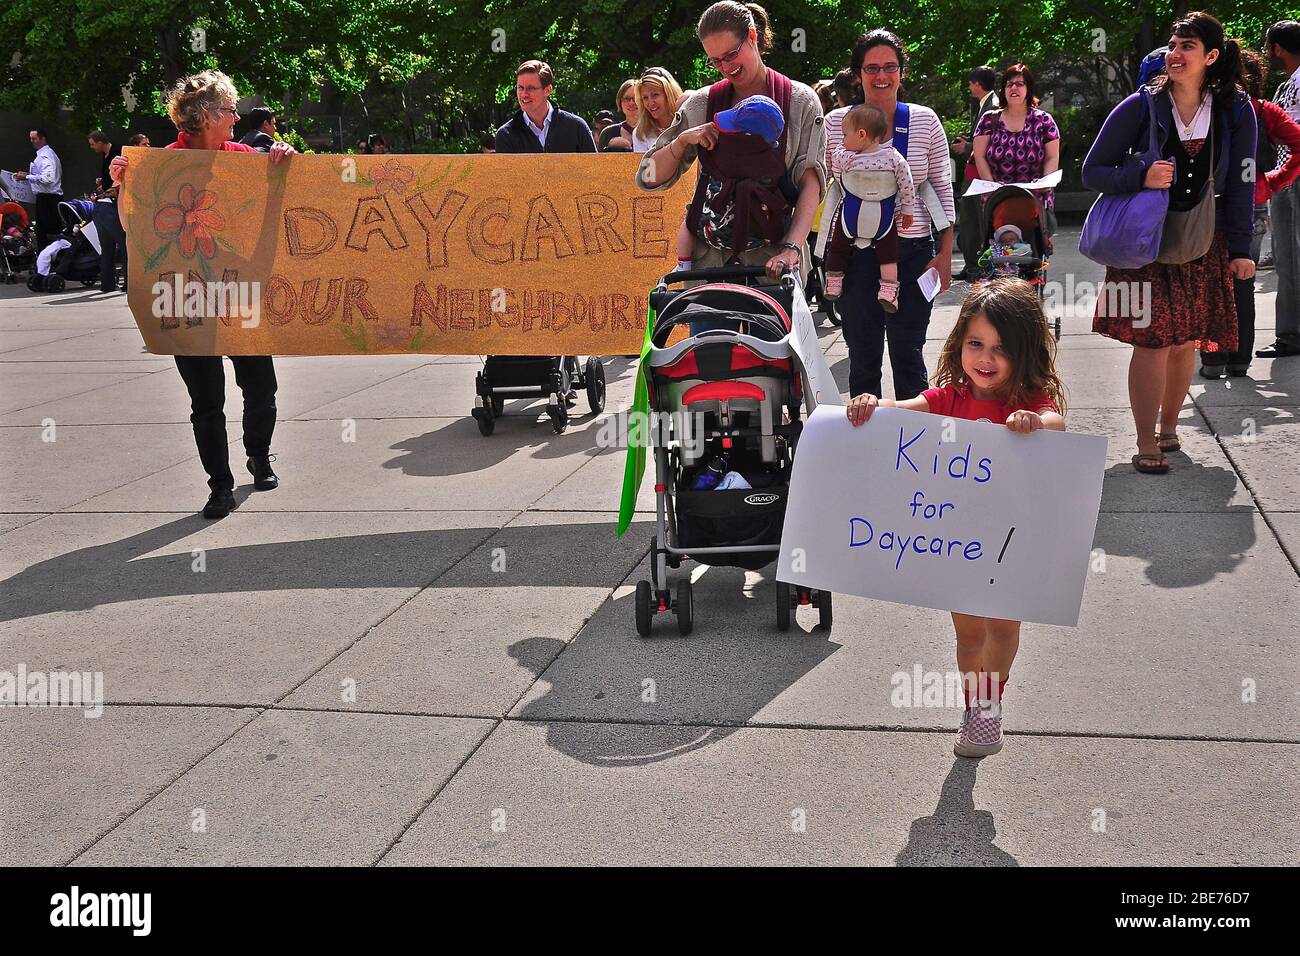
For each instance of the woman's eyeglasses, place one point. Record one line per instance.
(227, 109)
(717, 61)
(874, 69)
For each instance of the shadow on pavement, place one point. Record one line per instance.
(956, 834)
(679, 693)
(122, 571)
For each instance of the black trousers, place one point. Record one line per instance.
(112, 243)
(868, 327)
(205, 378)
(47, 218)
(1243, 294)
(970, 241)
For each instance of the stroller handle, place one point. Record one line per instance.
(722, 274)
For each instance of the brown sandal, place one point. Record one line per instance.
(1151, 464)
(1168, 441)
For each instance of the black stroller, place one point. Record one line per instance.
(730, 397)
(1017, 206)
(79, 262)
(553, 377)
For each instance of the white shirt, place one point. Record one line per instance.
(927, 158)
(45, 174)
(542, 130)
(640, 145)
(1199, 127)
(1288, 99)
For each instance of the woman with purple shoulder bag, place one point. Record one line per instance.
(1198, 167)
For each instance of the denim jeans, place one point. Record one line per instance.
(867, 327)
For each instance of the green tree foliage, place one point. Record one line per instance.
(433, 71)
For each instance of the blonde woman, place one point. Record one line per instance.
(657, 95)
(203, 109)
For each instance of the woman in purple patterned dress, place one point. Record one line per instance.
(1019, 143)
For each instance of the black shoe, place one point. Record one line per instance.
(264, 478)
(220, 503)
(1238, 371)
(1282, 348)
(1212, 372)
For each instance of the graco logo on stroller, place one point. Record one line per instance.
(761, 499)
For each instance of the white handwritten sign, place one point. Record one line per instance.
(944, 513)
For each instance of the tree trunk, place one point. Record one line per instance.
(171, 50)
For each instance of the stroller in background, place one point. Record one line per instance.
(738, 388)
(17, 241)
(1017, 206)
(553, 377)
(79, 262)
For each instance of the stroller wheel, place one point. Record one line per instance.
(487, 423)
(54, 283)
(559, 417)
(595, 375)
(644, 599)
(783, 602)
(823, 601)
(831, 312)
(685, 608)
(87, 283)
(498, 406)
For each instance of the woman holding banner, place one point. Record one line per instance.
(879, 62)
(735, 36)
(203, 109)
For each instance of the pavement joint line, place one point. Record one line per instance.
(341, 398)
(134, 376)
(438, 791)
(1245, 481)
(379, 623)
(65, 338)
(159, 791)
(730, 725)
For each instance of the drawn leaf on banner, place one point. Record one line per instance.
(153, 260)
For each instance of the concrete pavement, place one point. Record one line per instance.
(420, 649)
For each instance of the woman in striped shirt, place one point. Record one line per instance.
(878, 62)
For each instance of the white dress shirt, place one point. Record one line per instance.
(45, 174)
(542, 130)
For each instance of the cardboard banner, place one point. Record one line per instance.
(544, 254)
(944, 513)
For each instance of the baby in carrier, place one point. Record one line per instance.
(999, 257)
(877, 187)
(742, 203)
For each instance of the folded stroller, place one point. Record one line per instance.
(77, 260)
(728, 401)
(1017, 206)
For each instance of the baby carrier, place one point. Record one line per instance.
(744, 196)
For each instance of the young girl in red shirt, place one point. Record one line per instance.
(997, 366)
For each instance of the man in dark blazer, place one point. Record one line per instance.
(262, 136)
(981, 81)
(539, 126)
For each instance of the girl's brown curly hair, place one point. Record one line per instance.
(1015, 311)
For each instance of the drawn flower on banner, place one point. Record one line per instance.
(192, 221)
(392, 177)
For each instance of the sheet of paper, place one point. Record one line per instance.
(978, 187)
(929, 283)
(19, 191)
